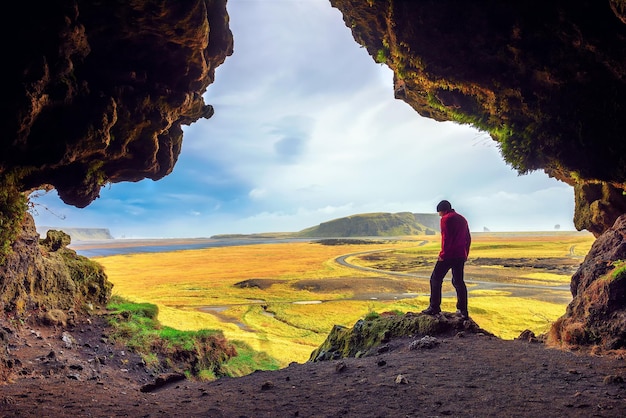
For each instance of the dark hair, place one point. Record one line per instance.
(444, 206)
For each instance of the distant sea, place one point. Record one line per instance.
(106, 248)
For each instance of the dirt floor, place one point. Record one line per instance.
(76, 372)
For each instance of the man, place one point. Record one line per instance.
(455, 246)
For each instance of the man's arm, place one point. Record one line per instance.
(443, 225)
(468, 241)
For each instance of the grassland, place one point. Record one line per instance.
(284, 298)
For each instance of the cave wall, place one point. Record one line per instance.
(94, 93)
(547, 80)
(97, 92)
(597, 314)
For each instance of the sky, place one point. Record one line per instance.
(306, 130)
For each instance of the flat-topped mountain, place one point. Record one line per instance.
(378, 224)
(79, 234)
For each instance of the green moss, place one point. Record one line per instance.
(366, 335)
(371, 316)
(13, 206)
(89, 278)
(619, 272)
(95, 173)
(381, 56)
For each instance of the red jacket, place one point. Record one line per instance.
(455, 236)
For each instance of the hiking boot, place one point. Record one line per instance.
(431, 311)
(462, 314)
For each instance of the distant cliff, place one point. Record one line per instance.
(376, 225)
(79, 234)
(429, 220)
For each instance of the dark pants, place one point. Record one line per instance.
(436, 280)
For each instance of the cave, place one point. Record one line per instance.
(98, 93)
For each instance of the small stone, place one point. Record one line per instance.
(55, 317)
(424, 342)
(401, 380)
(267, 385)
(612, 379)
(67, 339)
(383, 349)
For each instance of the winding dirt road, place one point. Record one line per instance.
(516, 289)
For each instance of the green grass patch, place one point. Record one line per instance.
(203, 354)
(248, 361)
(120, 306)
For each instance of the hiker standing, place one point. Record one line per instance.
(455, 246)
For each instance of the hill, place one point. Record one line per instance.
(379, 224)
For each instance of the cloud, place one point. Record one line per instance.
(257, 194)
(293, 134)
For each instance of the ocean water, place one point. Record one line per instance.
(120, 246)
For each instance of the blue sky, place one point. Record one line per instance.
(306, 129)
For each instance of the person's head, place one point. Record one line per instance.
(443, 207)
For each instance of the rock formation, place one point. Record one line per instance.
(369, 336)
(43, 275)
(547, 80)
(597, 314)
(96, 93)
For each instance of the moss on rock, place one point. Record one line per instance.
(366, 336)
(49, 276)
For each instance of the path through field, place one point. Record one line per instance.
(558, 294)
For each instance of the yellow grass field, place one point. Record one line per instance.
(284, 298)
